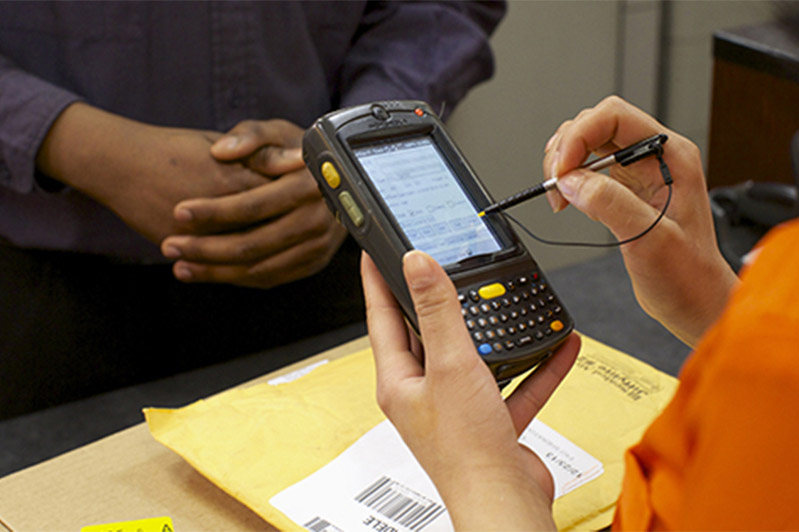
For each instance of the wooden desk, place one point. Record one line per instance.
(129, 476)
(130, 471)
(755, 106)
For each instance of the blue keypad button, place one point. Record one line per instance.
(485, 349)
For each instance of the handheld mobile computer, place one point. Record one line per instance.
(393, 177)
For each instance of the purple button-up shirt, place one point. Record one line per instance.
(208, 65)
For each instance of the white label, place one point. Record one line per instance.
(378, 485)
(569, 465)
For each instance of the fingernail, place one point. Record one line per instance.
(184, 215)
(553, 201)
(182, 272)
(550, 142)
(418, 269)
(171, 252)
(227, 143)
(292, 153)
(554, 168)
(568, 185)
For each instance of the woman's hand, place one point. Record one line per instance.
(678, 274)
(449, 410)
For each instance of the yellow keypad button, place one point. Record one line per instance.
(330, 174)
(491, 291)
(556, 325)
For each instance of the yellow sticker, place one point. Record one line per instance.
(154, 524)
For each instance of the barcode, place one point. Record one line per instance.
(400, 504)
(317, 524)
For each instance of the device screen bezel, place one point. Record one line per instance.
(458, 168)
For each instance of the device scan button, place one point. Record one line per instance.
(485, 349)
(351, 208)
(491, 291)
(330, 174)
(556, 325)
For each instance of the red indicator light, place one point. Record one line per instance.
(418, 111)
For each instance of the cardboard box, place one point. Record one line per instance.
(128, 476)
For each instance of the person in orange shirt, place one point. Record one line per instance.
(721, 456)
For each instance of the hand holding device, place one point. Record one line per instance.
(449, 412)
(395, 179)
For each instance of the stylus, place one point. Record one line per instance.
(624, 156)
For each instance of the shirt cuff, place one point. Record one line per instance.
(28, 108)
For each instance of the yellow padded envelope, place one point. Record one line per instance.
(255, 442)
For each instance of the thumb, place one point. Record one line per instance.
(268, 160)
(436, 303)
(531, 395)
(263, 146)
(606, 200)
(276, 160)
(234, 145)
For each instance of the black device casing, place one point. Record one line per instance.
(367, 218)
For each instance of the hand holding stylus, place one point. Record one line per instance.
(678, 274)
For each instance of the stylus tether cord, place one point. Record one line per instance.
(664, 171)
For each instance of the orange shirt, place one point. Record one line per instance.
(724, 455)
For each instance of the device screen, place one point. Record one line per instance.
(427, 199)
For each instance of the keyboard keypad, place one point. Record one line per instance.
(516, 314)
